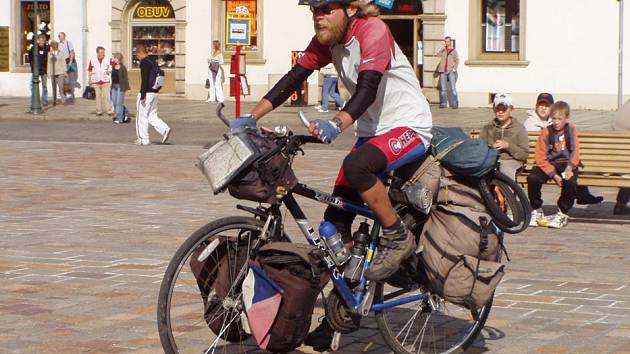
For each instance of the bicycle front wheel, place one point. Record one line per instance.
(200, 307)
(428, 326)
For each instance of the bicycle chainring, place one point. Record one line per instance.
(339, 316)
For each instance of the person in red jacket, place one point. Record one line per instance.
(557, 158)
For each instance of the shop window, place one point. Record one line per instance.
(500, 26)
(496, 33)
(159, 42)
(245, 7)
(28, 32)
(153, 26)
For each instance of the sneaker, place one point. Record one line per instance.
(99, 113)
(126, 119)
(138, 142)
(317, 108)
(321, 337)
(117, 122)
(590, 199)
(166, 135)
(394, 247)
(537, 215)
(558, 220)
(621, 209)
(321, 110)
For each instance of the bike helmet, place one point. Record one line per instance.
(318, 3)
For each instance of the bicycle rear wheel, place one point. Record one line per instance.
(428, 326)
(198, 315)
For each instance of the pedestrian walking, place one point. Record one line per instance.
(71, 65)
(147, 104)
(449, 60)
(100, 76)
(216, 77)
(57, 71)
(120, 85)
(41, 50)
(330, 88)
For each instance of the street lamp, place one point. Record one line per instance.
(36, 105)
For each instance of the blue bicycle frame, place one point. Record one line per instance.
(352, 299)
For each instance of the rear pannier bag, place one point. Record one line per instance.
(459, 246)
(215, 280)
(301, 272)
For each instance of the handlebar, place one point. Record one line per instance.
(220, 114)
(299, 139)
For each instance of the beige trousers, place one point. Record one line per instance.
(103, 103)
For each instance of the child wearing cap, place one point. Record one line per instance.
(557, 158)
(539, 117)
(507, 135)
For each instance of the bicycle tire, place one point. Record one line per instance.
(198, 325)
(444, 338)
(498, 215)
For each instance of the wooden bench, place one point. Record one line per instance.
(605, 156)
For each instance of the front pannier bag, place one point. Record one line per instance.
(300, 273)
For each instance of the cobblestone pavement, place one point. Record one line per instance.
(88, 230)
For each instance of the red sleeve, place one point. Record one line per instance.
(377, 45)
(315, 56)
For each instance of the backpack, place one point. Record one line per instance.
(460, 247)
(463, 156)
(301, 273)
(156, 76)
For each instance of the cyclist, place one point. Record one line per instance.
(393, 117)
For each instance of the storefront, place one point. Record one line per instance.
(404, 21)
(153, 24)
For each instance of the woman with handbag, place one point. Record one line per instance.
(214, 82)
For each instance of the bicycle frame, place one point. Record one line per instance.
(354, 300)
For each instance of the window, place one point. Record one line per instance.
(500, 26)
(28, 34)
(496, 33)
(245, 7)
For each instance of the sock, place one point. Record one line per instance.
(397, 228)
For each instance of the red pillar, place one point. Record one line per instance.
(238, 80)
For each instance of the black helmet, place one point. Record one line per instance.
(318, 3)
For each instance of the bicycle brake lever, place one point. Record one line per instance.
(303, 119)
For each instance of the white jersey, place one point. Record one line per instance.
(369, 45)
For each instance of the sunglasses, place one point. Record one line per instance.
(324, 10)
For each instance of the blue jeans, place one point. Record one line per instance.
(43, 81)
(448, 80)
(330, 84)
(118, 101)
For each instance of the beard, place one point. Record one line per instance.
(328, 33)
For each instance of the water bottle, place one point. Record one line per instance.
(333, 242)
(354, 267)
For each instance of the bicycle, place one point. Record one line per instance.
(411, 318)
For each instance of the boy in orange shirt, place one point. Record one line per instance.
(557, 158)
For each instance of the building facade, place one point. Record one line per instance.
(567, 47)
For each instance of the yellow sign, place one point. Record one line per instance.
(154, 12)
(4, 49)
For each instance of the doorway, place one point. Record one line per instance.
(407, 31)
